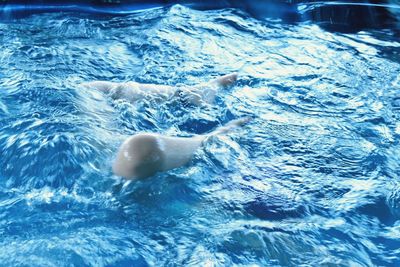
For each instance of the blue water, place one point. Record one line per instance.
(313, 180)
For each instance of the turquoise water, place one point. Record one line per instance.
(312, 180)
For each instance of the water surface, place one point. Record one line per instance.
(312, 180)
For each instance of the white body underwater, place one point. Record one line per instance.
(133, 91)
(142, 155)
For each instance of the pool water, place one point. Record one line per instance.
(312, 180)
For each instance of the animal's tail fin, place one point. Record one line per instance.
(230, 126)
(226, 80)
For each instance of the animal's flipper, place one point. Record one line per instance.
(230, 126)
(226, 80)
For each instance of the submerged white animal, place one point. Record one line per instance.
(133, 91)
(144, 154)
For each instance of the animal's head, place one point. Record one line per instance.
(138, 157)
